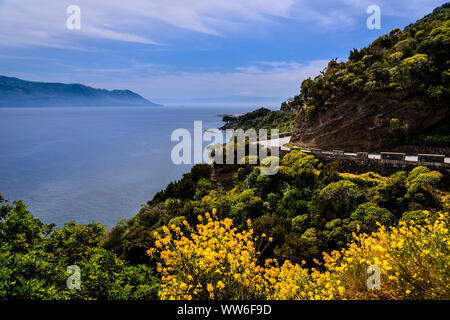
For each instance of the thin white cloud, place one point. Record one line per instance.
(281, 78)
(114, 35)
(43, 22)
(284, 82)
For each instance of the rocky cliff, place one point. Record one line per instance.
(356, 123)
(393, 93)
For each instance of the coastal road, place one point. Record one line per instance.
(281, 142)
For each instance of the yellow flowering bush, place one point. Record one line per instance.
(215, 261)
(413, 259)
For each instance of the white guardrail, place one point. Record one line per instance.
(434, 158)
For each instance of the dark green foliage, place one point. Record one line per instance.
(368, 214)
(35, 257)
(337, 233)
(307, 207)
(185, 187)
(300, 223)
(204, 186)
(391, 194)
(338, 200)
(131, 239)
(246, 206)
(294, 202)
(263, 118)
(420, 187)
(329, 173)
(398, 131)
(295, 247)
(417, 216)
(438, 137)
(240, 175)
(252, 179)
(411, 191)
(275, 226)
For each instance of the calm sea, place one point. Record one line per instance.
(92, 164)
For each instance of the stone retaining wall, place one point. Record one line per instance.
(387, 163)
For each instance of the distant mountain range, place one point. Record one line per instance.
(15, 92)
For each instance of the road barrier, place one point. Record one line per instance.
(392, 156)
(431, 158)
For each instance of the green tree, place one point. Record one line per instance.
(35, 257)
(300, 223)
(338, 199)
(420, 187)
(247, 205)
(368, 214)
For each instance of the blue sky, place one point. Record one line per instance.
(175, 51)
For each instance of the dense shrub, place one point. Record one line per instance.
(35, 257)
(216, 261)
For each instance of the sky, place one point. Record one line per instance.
(186, 51)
